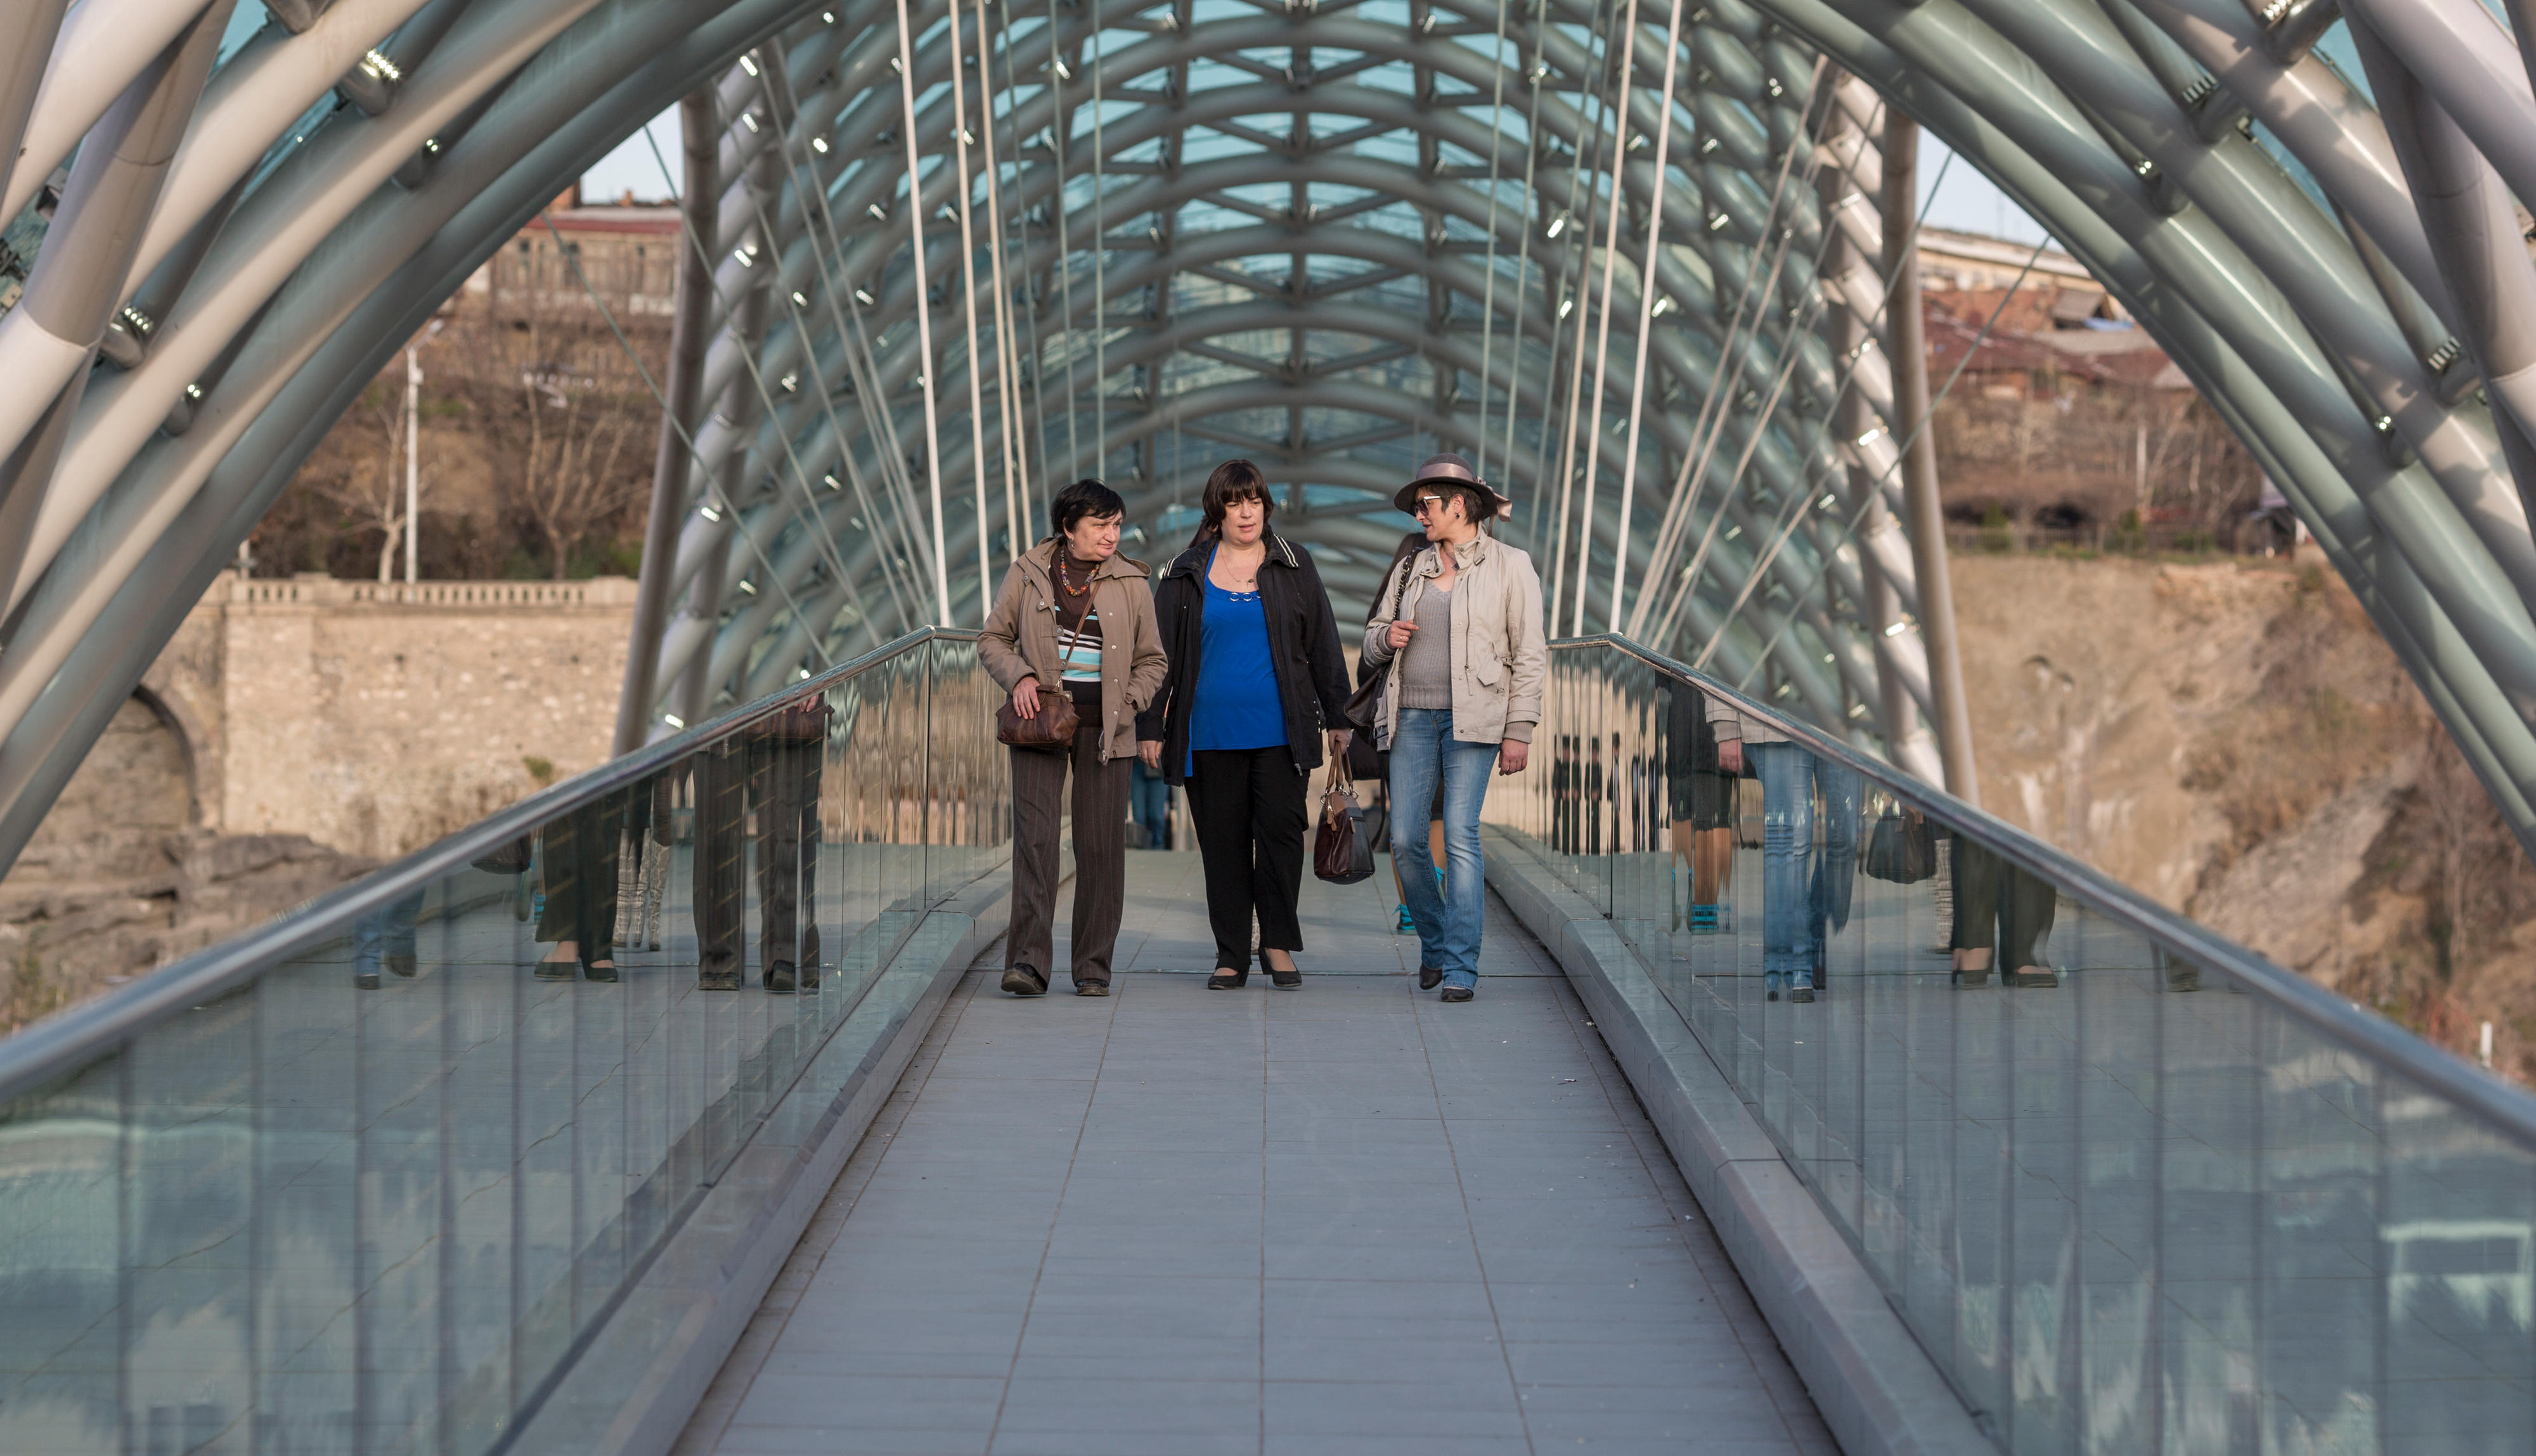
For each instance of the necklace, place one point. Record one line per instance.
(1065, 582)
(1246, 582)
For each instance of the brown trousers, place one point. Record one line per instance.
(1099, 855)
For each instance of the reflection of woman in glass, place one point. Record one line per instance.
(1700, 795)
(2001, 908)
(1800, 909)
(577, 860)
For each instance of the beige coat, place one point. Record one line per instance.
(1500, 658)
(1020, 639)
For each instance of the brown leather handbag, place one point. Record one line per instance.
(1343, 848)
(1053, 728)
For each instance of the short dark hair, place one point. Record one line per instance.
(1474, 508)
(1083, 498)
(1235, 480)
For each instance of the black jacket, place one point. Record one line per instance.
(1303, 648)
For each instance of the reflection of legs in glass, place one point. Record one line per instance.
(1976, 895)
(721, 858)
(2000, 907)
(579, 917)
(1787, 843)
(784, 775)
(384, 938)
(1704, 837)
(1835, 874)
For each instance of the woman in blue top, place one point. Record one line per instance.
(1255, 685)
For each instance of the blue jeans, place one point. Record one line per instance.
(383, 932)
(1423, 750)
(1149, 803)
(1803, 896)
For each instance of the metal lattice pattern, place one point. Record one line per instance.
(1630, 256)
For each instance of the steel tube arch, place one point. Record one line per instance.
(1300, 259)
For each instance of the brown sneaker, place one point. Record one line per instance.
(718, 980)
(1021, 980)
(1092, 987)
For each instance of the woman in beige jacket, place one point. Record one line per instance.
(1073, 616)
(1457, 632)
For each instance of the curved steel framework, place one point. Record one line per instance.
(946, 253)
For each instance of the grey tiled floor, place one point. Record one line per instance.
(1348, 1219)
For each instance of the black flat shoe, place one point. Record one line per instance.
(1429, 977)
(1458, 993)
(779, 980)
(1286, 980)
(557, 970)
(604, 974)
(1228, 981)
(1021, 980)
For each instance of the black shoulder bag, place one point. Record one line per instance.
(1364, 705)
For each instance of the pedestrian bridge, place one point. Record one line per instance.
(363, 1182)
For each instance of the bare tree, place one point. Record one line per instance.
(561, 404)
(360, 470)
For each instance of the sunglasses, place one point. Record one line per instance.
(1427, 503)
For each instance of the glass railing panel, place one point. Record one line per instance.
(2459, 1274)
(365, 1180)
(2323, 1305)
(2115, 1181)
(2132, 1188)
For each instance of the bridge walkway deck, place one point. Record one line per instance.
(1344, 1219)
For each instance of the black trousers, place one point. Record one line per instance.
(1998, 905)
(577, 865)
(1248, 805)
(778, 776)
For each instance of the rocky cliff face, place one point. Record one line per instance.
(2236, 740)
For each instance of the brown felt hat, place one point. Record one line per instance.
(1449, 468)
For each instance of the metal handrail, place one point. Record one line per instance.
(64, 1043)
(2509, 1108)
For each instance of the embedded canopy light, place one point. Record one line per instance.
(1062, 74)
(800, 299)
(1558, 225)
(1828, 501)
(709, 513)
(1565, 305)
(819, 145)
(879, 214)
(674, 720)
(792, 383)
(748, 64)
(805, 675)
(745, 587)
(746, 253)
(862, 297)
(827, 17)
(830, 479)
(1663, 306)
(748, 119)
(1897, 629)
(1869, 438)
(379, 67)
